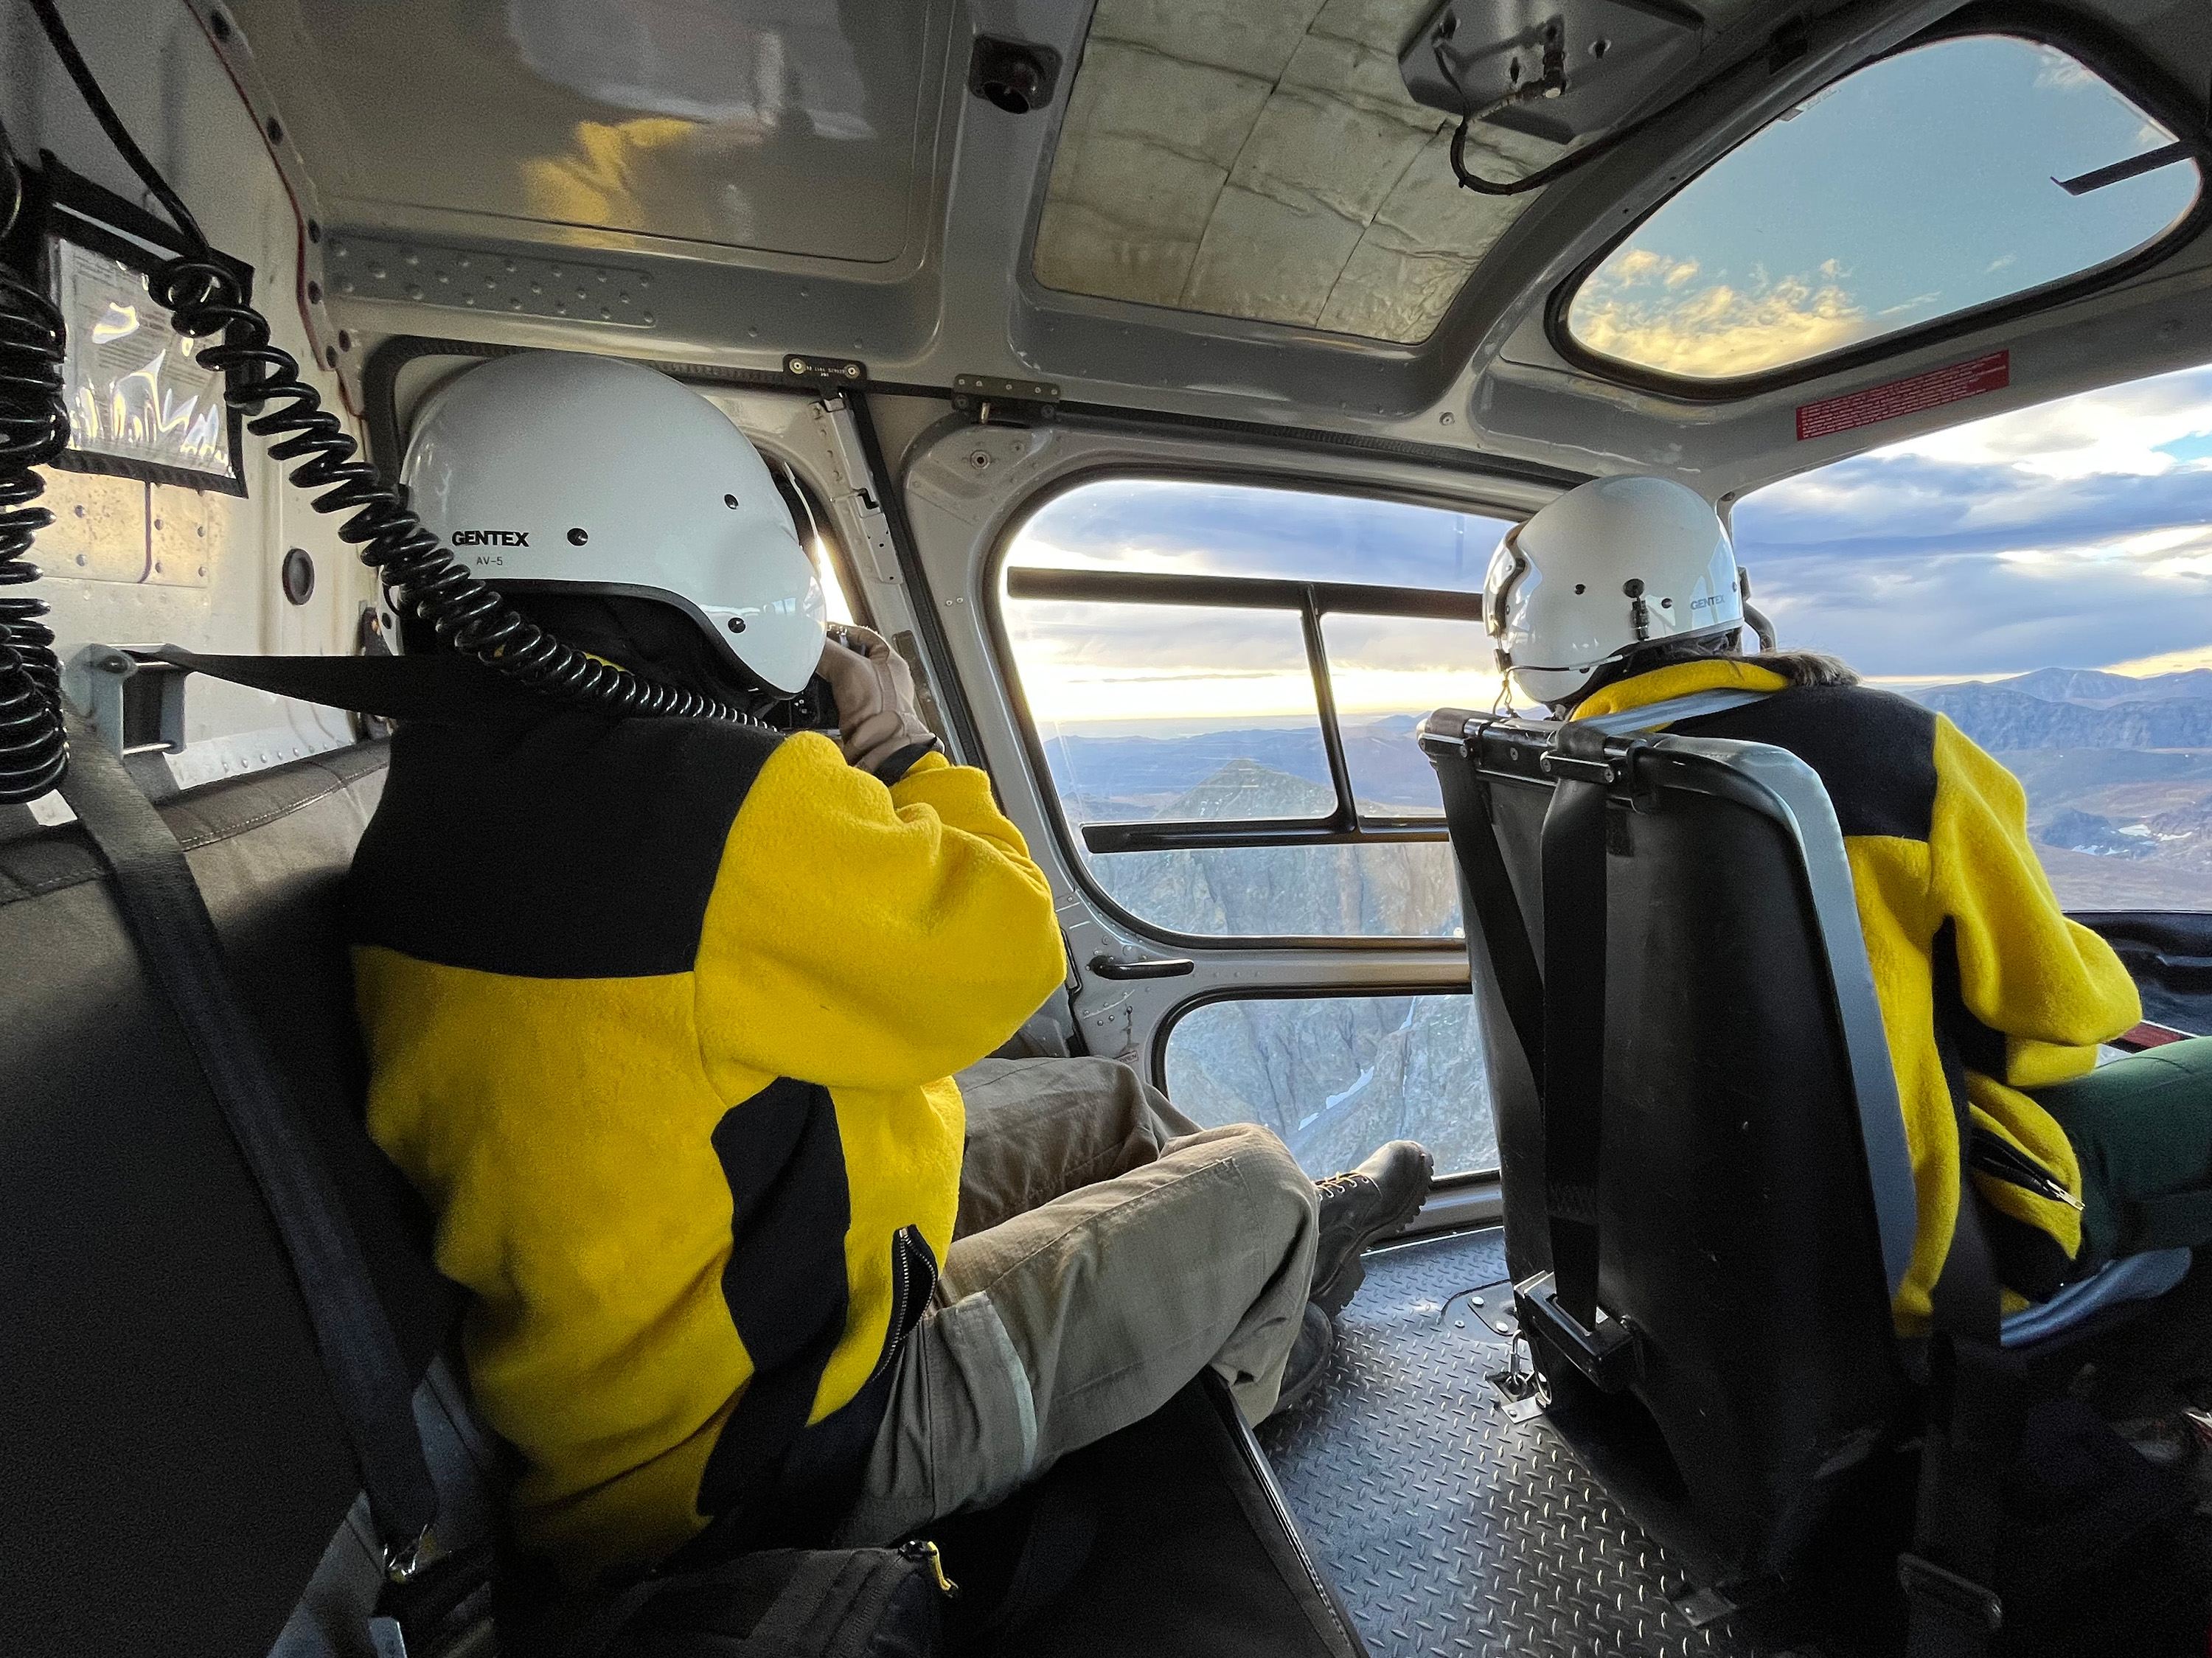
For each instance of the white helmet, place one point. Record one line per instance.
(557, 472)
(1608, 566)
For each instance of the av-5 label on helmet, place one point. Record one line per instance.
(489, 539)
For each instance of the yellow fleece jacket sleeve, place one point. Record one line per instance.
(865, 937)
(2053, 986)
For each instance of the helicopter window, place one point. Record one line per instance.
(1336, 1076)
(1941, 181)
(2043, 579)
(1223, 694)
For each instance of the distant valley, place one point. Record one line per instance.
(2118, 775)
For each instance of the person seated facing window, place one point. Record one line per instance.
(1624, 593)
(663, 1018)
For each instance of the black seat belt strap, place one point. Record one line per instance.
(169, 916)
(1489, 888)
(1977, 1405)
(1574, 1020)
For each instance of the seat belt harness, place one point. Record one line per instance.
(1574, 1012)
(169, 916)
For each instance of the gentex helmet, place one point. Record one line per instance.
(1610, 565)
(556, 472)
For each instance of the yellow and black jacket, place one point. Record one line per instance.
(1985, 986)
(661, 1016)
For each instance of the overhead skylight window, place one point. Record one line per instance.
(1946, 178)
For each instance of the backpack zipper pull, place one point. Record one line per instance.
(925, 1552)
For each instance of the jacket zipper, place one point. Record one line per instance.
(1991, 1154)
(913, 1279)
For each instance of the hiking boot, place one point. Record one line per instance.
(1373, 1200)
(1308, 1360)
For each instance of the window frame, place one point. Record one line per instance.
(1163, 1033)
(1343, 828)
(2121, 68)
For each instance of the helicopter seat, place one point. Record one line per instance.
(1709, 1201)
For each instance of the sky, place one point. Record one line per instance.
(1920, 187)
(2076, 533)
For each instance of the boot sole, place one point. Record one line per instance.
(1336, 1295)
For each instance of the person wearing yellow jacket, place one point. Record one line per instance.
(680, 1024)
(1625, 593)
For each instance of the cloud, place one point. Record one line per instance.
(2115, 432)
(2061, 534)
(1641, 308)
(2060, 73)
(1137, 523)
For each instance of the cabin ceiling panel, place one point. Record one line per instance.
(1244, 159)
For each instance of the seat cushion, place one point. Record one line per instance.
(2131, 1278)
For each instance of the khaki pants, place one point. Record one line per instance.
(1108, 1249)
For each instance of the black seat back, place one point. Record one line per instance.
(171, 1465)
(1739, 1242)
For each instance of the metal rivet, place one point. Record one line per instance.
(578, 537)
(730, 501)
(275, 131)
(314, 293)
(737, 624)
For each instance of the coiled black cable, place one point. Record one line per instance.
(420, 574)
(33, 429)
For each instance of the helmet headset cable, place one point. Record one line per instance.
(262, 380)
(34, 428)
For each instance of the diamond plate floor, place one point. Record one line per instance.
(1448, 1529)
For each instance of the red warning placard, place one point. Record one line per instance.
(1907, 396)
